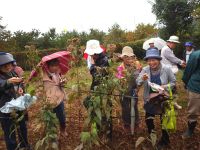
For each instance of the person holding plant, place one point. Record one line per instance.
(54, 91)
(159, 74)
(11, 86)
(98, 59)
(129, 70)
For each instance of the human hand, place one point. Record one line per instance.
(183, 64)
(14, 80)
(145, 77)
(20, 91)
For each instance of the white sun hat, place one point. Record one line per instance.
(93, 47)
(174, 39)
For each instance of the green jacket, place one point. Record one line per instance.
(191, 76)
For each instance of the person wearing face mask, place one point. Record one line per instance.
(168, 57)
(155, 72)
(11, 86)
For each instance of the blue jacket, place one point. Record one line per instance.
(191, 76)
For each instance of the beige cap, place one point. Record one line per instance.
(127, 51)
(174, 39)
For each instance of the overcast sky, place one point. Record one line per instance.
(80, 15)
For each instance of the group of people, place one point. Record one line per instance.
(162, 67)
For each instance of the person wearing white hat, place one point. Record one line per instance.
(99, 63)
(92, 47)
(168, 57)
(96, 58)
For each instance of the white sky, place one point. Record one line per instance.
(80, 15)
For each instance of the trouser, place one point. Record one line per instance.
(126, 110)
(149, 119)
(9, 127)
(60, 113)
(193, 106)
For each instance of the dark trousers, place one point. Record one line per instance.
(149, 118)
(8, 126)
(126, 110)
(60, 113)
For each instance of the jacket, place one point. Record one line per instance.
(166, 76)
(101, 62)
(7, 90)
(53, 90)
(191, 76)
(169, 59)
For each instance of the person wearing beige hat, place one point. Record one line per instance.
(129, 70)
(168, 57)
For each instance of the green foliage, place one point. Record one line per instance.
(143, 31)
(175, 15)
(115, 35)
(137, 48)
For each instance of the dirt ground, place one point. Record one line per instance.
(121, 140)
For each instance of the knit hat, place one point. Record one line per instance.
(152, 53)
(6, 58)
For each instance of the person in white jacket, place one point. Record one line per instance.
(168, 57)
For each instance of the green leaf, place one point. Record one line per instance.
(85, 136)
(98, 113)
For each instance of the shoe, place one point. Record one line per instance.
(190, 130)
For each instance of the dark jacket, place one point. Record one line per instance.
(101, 61)
(191, 76)
(7, 91)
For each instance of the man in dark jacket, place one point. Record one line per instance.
(10, 87)
(191, 78)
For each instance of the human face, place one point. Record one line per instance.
(6, 68)
(54, 68)
(151, 45)
(172, 45)
(128, 60)
(188, 48)
(153, 63)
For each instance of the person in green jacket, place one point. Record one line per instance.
(191, 78)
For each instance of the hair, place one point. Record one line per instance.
(52, 62)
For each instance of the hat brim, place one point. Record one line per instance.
(93, 51)
(7, 62)
(153, 57)
(188, 45)
(173, 41)
(127, 54)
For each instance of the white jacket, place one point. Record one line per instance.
(169, 59)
